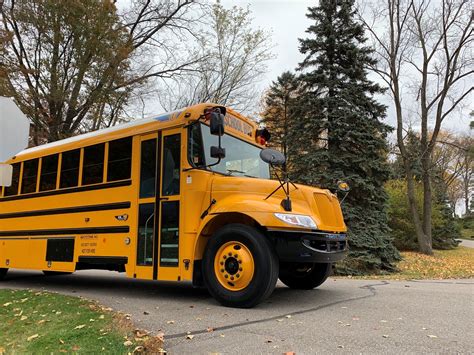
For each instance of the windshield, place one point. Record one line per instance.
(242, 158)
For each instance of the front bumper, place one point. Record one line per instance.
(312, 247)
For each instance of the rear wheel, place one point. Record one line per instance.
(55, 273)
(304, 276)
(240, 267)
(3, 272)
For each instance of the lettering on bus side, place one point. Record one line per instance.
(88, 244)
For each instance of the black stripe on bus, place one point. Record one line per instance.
(45, 238)
(90, 208)
(107, 185)
(90, 230)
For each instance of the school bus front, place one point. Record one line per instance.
(169, 199)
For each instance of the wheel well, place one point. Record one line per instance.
(227, 218)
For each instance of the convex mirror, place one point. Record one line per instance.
(272, 156)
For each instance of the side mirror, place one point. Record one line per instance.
(217, 152)
(216, 124)
(272, 156)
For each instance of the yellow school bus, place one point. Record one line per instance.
(183, 196)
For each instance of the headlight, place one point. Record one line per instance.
(297, 220)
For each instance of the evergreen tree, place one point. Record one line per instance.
(344, 133)
(280, 112)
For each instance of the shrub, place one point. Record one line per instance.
(444, 228)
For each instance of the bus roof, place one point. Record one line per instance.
(139, 126)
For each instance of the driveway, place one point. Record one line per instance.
(355, 316)
(467, 243)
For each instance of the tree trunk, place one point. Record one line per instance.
(466, 181)
(426, 244)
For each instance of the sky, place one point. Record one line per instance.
(287, 21)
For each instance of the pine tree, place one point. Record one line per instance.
(280, 112)
(344, 133)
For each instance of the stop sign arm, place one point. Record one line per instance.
(14, 133)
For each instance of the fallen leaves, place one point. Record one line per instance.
(32, 337)
(140, 333)
(160, 336)
(80, 326)
(139, 349)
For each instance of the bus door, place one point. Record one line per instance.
(168, 201)
(158, 212)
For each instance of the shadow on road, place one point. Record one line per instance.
(100, 284)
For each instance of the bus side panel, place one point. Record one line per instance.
(15, 253)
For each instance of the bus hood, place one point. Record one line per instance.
(249, 195)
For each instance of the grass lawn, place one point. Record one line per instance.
(43, 322)
(444, 264)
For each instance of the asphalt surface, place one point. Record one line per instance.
(342, 316)
(467, 243)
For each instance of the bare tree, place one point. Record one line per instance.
(427, 49)
(72, 66)
(452, 157)
(235, 56)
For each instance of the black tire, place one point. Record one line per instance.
(3, 272)
(55, 273)
(265, 273)
(304, 276)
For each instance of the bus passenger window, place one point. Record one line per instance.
(30, 174)
(49, 172)
(148, 169)
(70, 169)
(13, 189)
(93, 166)
(146, 224)
(171, 165)
(119, 165)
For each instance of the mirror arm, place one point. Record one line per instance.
(347, 193)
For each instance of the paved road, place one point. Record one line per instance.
(342, 316)
(467, 243)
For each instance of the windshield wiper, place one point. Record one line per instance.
(230, 171)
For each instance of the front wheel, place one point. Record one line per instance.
(304, 276)
(3, 272)
(240, 266)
